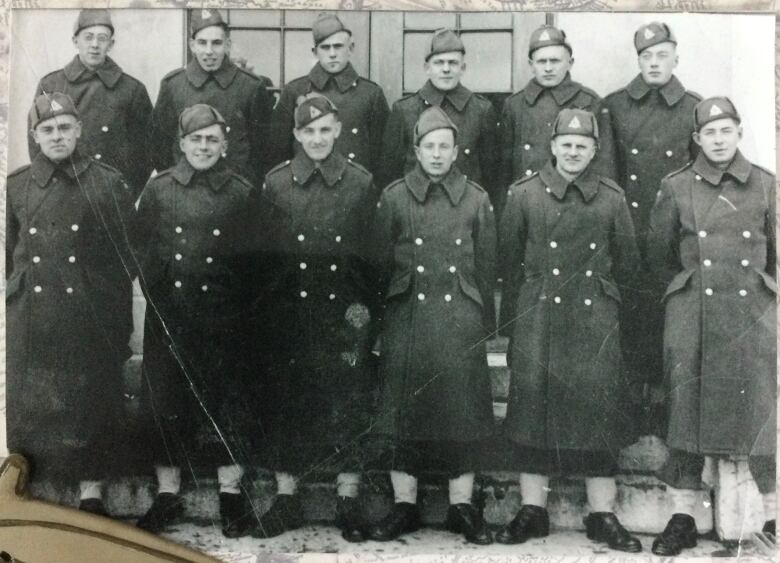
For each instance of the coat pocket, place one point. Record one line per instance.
(399, 285)
(610, 289)
(470, 290)
(769, 281)
(679, 282)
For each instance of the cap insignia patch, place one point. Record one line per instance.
(205, 14)
(55, 105)
(649, 33)
(314, 112)
(715, 110)
(544, 36)
(575, 123)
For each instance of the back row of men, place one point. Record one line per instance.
(568, 249)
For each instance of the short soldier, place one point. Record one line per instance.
(317, 398)
(362, 105)
(528, 115)
(436, 239)
(472, 114)
(650, 121)
(567, 240)
(114, 108)
(712, 242)
(193, 219)
(212, 78)
(68, 304)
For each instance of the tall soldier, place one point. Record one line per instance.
(317, 399)
(528, 115)
(212, 78)
(712, 243)
(193, 222)
(472, 114)
(362, 105)
(568, 242)
(68, 304)
(436, 240)
(651, 122)
(114, 108)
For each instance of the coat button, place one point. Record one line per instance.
(177, 283)
(98, 156)
(418, 241)
(743, 292)
(557, 299)
(72, 259)
(634, 151)
(420, 268)
(527, 147)
(669, 153)
(458, 241)
(548, 190)
(204, 287)
(708, 291)
(529, 172)
(333, 267)
(178, 229)
(351, 155)
(209, 259)
(332, 296)
(556, 271)
(707, 262)
(421, 297)
(634, 204)
(633, 177)
(304, 294)
(588, 273)
(467, 151)
(453, 269)
(355, 131)
(37, 289)
(104, 129)
(302, 265)
(177, 256)
(301, 238)
(702, 234)
(227, 129)
(448, 298)
(593, 246)
(338, 238)
(746, 263)
(68, 290)
(33, 230)
(746, 234)
(698, 177)
(36, 259)
(588, 302)
(216, 232)
(553, 244)
(74, 227)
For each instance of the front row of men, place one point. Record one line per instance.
(302, 274)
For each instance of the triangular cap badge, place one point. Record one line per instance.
(544, 36)
(575, 123)
(55, 105)
(715, 110)
(205, 14)
(314, 112)
(649, 33)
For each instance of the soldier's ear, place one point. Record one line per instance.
(181, 144)
(297, 135)
(110, 44)
(739, 131)
(34, 134)
(417, 151)
(455, 153)
(337, 128)
(224, 148)
(77, 129)
(351, 45)
(696, 138)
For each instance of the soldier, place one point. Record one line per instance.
(528, 115)
(318, 393)
(436, 239)
(651, 123)
(712, 243)
(193, 219)
(362, 105)
(114, 108)
(212, 78)
(472, 114)
(567, 240)
(68, 304)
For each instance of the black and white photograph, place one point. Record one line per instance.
(388, 280)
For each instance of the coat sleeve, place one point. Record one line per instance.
(769, 228)
(623, 246)
(663, 239)
(507, 139)
(139, 132)
(489, 157)
(511, 252)
(395, 143)
(379, 114)
(280, 130)
(164, 128)
(382, 241)
(147, 219)
(485, 261)
(259, 124)
(11, 238)
(606, 160)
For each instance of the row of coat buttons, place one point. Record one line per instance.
(304, 294)
(557, 272)
(178, 284)
(302, 237)
(178, 257)
(745, 234)
(709, 291)
(557, 300)
(421, 297)
(37, 259)
(452, 269)
(215, 232)
(418, 241)
(303, 266)
(636, 151)
(74, 227)
(707, 262)
(554, 244)
(38, 289)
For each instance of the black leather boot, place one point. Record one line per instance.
(680, 533)
(285, 514)
(238, 517)
(166, 509)
(604, 527)
(464, 519)
(349, 519)
(529, 522)
(403, 518)
(93, 506)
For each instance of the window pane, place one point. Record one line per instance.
(488, 61)
(300, 18)
(486, 20)
(298, 58)
(254, 18)
(415, 45)
(419, 20)
(261, 49)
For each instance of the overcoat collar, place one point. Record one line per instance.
(215, 177)
(331, 169)
(109, 72)
(454, 184)
(344, 80)
(562, 92)
(587, 183)
(42, 169)
(739, 169)
(224, 75)
(672, 92)
(458, 96)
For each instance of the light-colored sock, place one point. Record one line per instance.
(602, 492)
(683, 500)
(770, 505)
(534, 489)
(229, 477)
(91, 489)
(286, 484)
(348, 484)
(461, 489)
(404, 487)
(168, 479)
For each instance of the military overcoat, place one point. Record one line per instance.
(193, 228)
(437, 242)
(68, 312)
(115, 113)
(362, 111)
(475, 119)
(564, 247)
(712, 239)
(241, 98)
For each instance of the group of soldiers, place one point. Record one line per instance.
(635, 243)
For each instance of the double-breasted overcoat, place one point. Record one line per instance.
(437, 242)
(68, 312)
(564, 247)
(712, 240)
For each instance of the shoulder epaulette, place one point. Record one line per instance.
(610, 183)
(278, 167)
(525, 179)
(242, 179)
(590, 92)
(475, 185)
(173, 73)
(405, 98)
(679, 170)
(358, 166)
(101, 164)
(394, 184)
(19, 170)
(52, 73)
(694, 95)
(764, 170)
(253, 76)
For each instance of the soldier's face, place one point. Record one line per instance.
(657, 63)
(202, 148)
(57, 136)
(719, 140)
(93, 44)
(445, 70)
(210, 46)
(335, 52)
(437, 152)
(318, 137)
(550, 64)
(572, 153)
